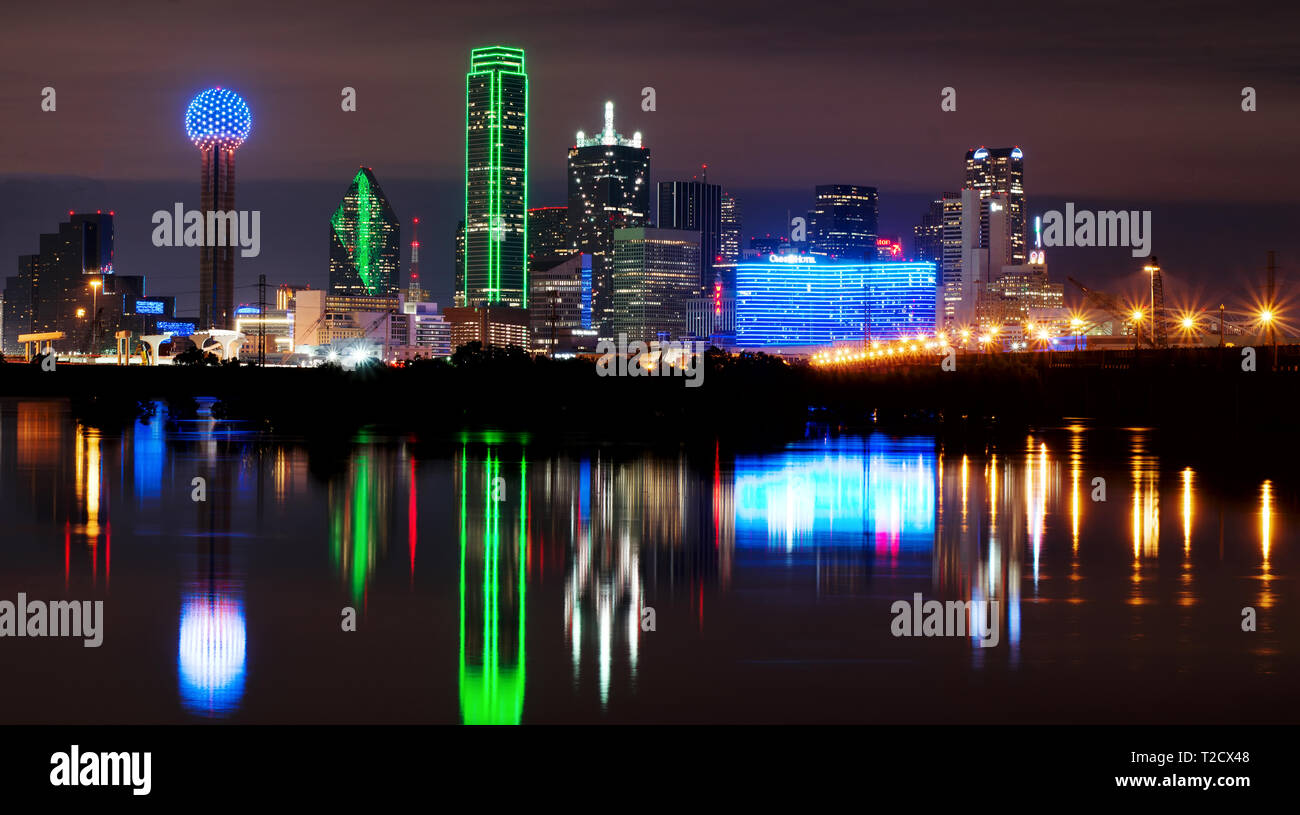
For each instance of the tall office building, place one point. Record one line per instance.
(695, 206)
(548, 236)
(365, 242)
(1001, 170)
(458, 297)
(655, 275)
(217, 122)
(950, 281)
(730, 248)
(496, 178)
(927, 236)
(843, 222)
(69, 286)
(609, 189)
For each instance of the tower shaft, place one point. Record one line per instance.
(217, 254)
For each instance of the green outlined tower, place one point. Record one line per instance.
(492, 668)
(496, 178)
(365, 241)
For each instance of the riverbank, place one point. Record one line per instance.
(1203, 393)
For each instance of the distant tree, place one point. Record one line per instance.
(195, 356)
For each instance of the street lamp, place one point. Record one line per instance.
(94, 310)
(1266, 319)
(1077, 325)
(1137, 327)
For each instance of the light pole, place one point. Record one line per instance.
(1137, 328)
(94, 310)
(1266, 317)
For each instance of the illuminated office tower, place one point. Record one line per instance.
(217, 122)
(365, 242)
(1000, 170)
(842, 222)
(496, 179)
(609, 189)
(950, 261)
(655, 275)
(548, 236)
(731, 221)
(695, 206)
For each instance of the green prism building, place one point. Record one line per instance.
(496, 179)
(365, 242)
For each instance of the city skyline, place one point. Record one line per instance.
(1195, 258)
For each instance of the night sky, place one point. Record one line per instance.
(1132, 105)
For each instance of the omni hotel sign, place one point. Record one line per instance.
(791, 259)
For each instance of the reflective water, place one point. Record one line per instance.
(497, 579)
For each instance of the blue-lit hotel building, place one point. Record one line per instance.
(792, 302)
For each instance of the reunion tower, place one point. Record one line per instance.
(217, 121)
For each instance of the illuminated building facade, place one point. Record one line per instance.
(1000, 170)
(548, 236)
(960, 238)
(459, 294)
(712, 319)
(69, 286)
(217, 122)
(609, 189)
(429, 333)
(1023, 295)
(696, 206)
(843, 222)
(889, 250)
(560, 313)
(365, 241)
(730, 247)
(276, 326)
(655, 273)
(502, 326)
(801, 301)
(927, 236)
(496, 179)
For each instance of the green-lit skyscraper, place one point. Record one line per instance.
(496, 178)
(365, 242)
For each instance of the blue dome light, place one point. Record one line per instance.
(219, 117)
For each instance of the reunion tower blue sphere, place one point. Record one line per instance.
(218, 117)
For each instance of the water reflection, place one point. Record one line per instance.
(839, 492)
(361, 511)
(786, 557)
(493, 525)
